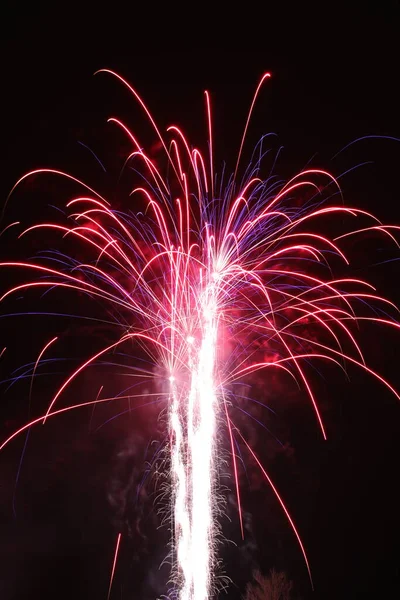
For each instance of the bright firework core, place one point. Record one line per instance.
(244, 260)
(193, 420)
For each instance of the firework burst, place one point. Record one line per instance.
(203, 277)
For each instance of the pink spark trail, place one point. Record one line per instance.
(206, 275)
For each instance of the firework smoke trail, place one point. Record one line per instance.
(204, 279)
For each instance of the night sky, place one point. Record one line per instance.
(334, 80)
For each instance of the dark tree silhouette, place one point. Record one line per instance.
(274, 586)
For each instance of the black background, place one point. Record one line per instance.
(334, 79)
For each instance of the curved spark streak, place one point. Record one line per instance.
(114, 565)
(285, 510)
(55, 172)
(67, 409)
(211, 289)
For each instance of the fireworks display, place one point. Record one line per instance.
(213, 278)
